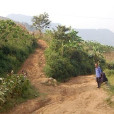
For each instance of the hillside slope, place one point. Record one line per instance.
(103, 36)
(79, 95)
(15, 45)
(20, 18)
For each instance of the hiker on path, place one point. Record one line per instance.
(98, 72)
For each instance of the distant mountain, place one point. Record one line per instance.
(3, 18)
(103, 36)
(20, 18)
(27, 21)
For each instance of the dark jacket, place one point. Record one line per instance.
(103, 77)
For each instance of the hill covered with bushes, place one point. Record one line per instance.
(15, 45)
(68, 55)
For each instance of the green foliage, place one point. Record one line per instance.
(110, 76)
(109, 72)
(58, 67)
(97, 50)
(15, 46)
(14, 87)
(99, 47)
(48, 36)
(66, 55)
(41, 22)
(110, 65)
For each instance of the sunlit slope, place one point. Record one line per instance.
(15, 45)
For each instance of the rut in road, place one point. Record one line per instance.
(77, 96)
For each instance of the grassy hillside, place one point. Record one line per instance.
(109, 56)
(15, 46)
(110, 75)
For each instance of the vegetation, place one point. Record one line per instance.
(15, 46)
(110, 76)
(41, 22)
(66, 55)
(100, 47)
(107, 63)
(109, 56)
(15, 89)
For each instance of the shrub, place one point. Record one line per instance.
(110, 65)
(66, 56)
(109, 72)
(58, 67)
(14, 87)
(15, 46)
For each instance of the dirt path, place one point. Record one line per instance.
(77, 96)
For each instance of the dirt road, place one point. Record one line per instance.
(79, 95)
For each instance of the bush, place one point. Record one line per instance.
(58, 67)
(81, 62)
(15, 46)
(66, 56)
(109, 72)
(13, 88)
(110, 65)
(110, 75)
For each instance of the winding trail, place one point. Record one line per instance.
(77, 96)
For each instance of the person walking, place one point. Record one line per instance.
(98, 72)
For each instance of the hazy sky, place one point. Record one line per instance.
(76, 13)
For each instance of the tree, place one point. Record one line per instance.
(41, 22)
(66, 56)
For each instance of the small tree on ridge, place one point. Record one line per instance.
(41, 22)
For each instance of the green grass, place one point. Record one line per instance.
(110, 76)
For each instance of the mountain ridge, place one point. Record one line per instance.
(103, 36)
(21, 18)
